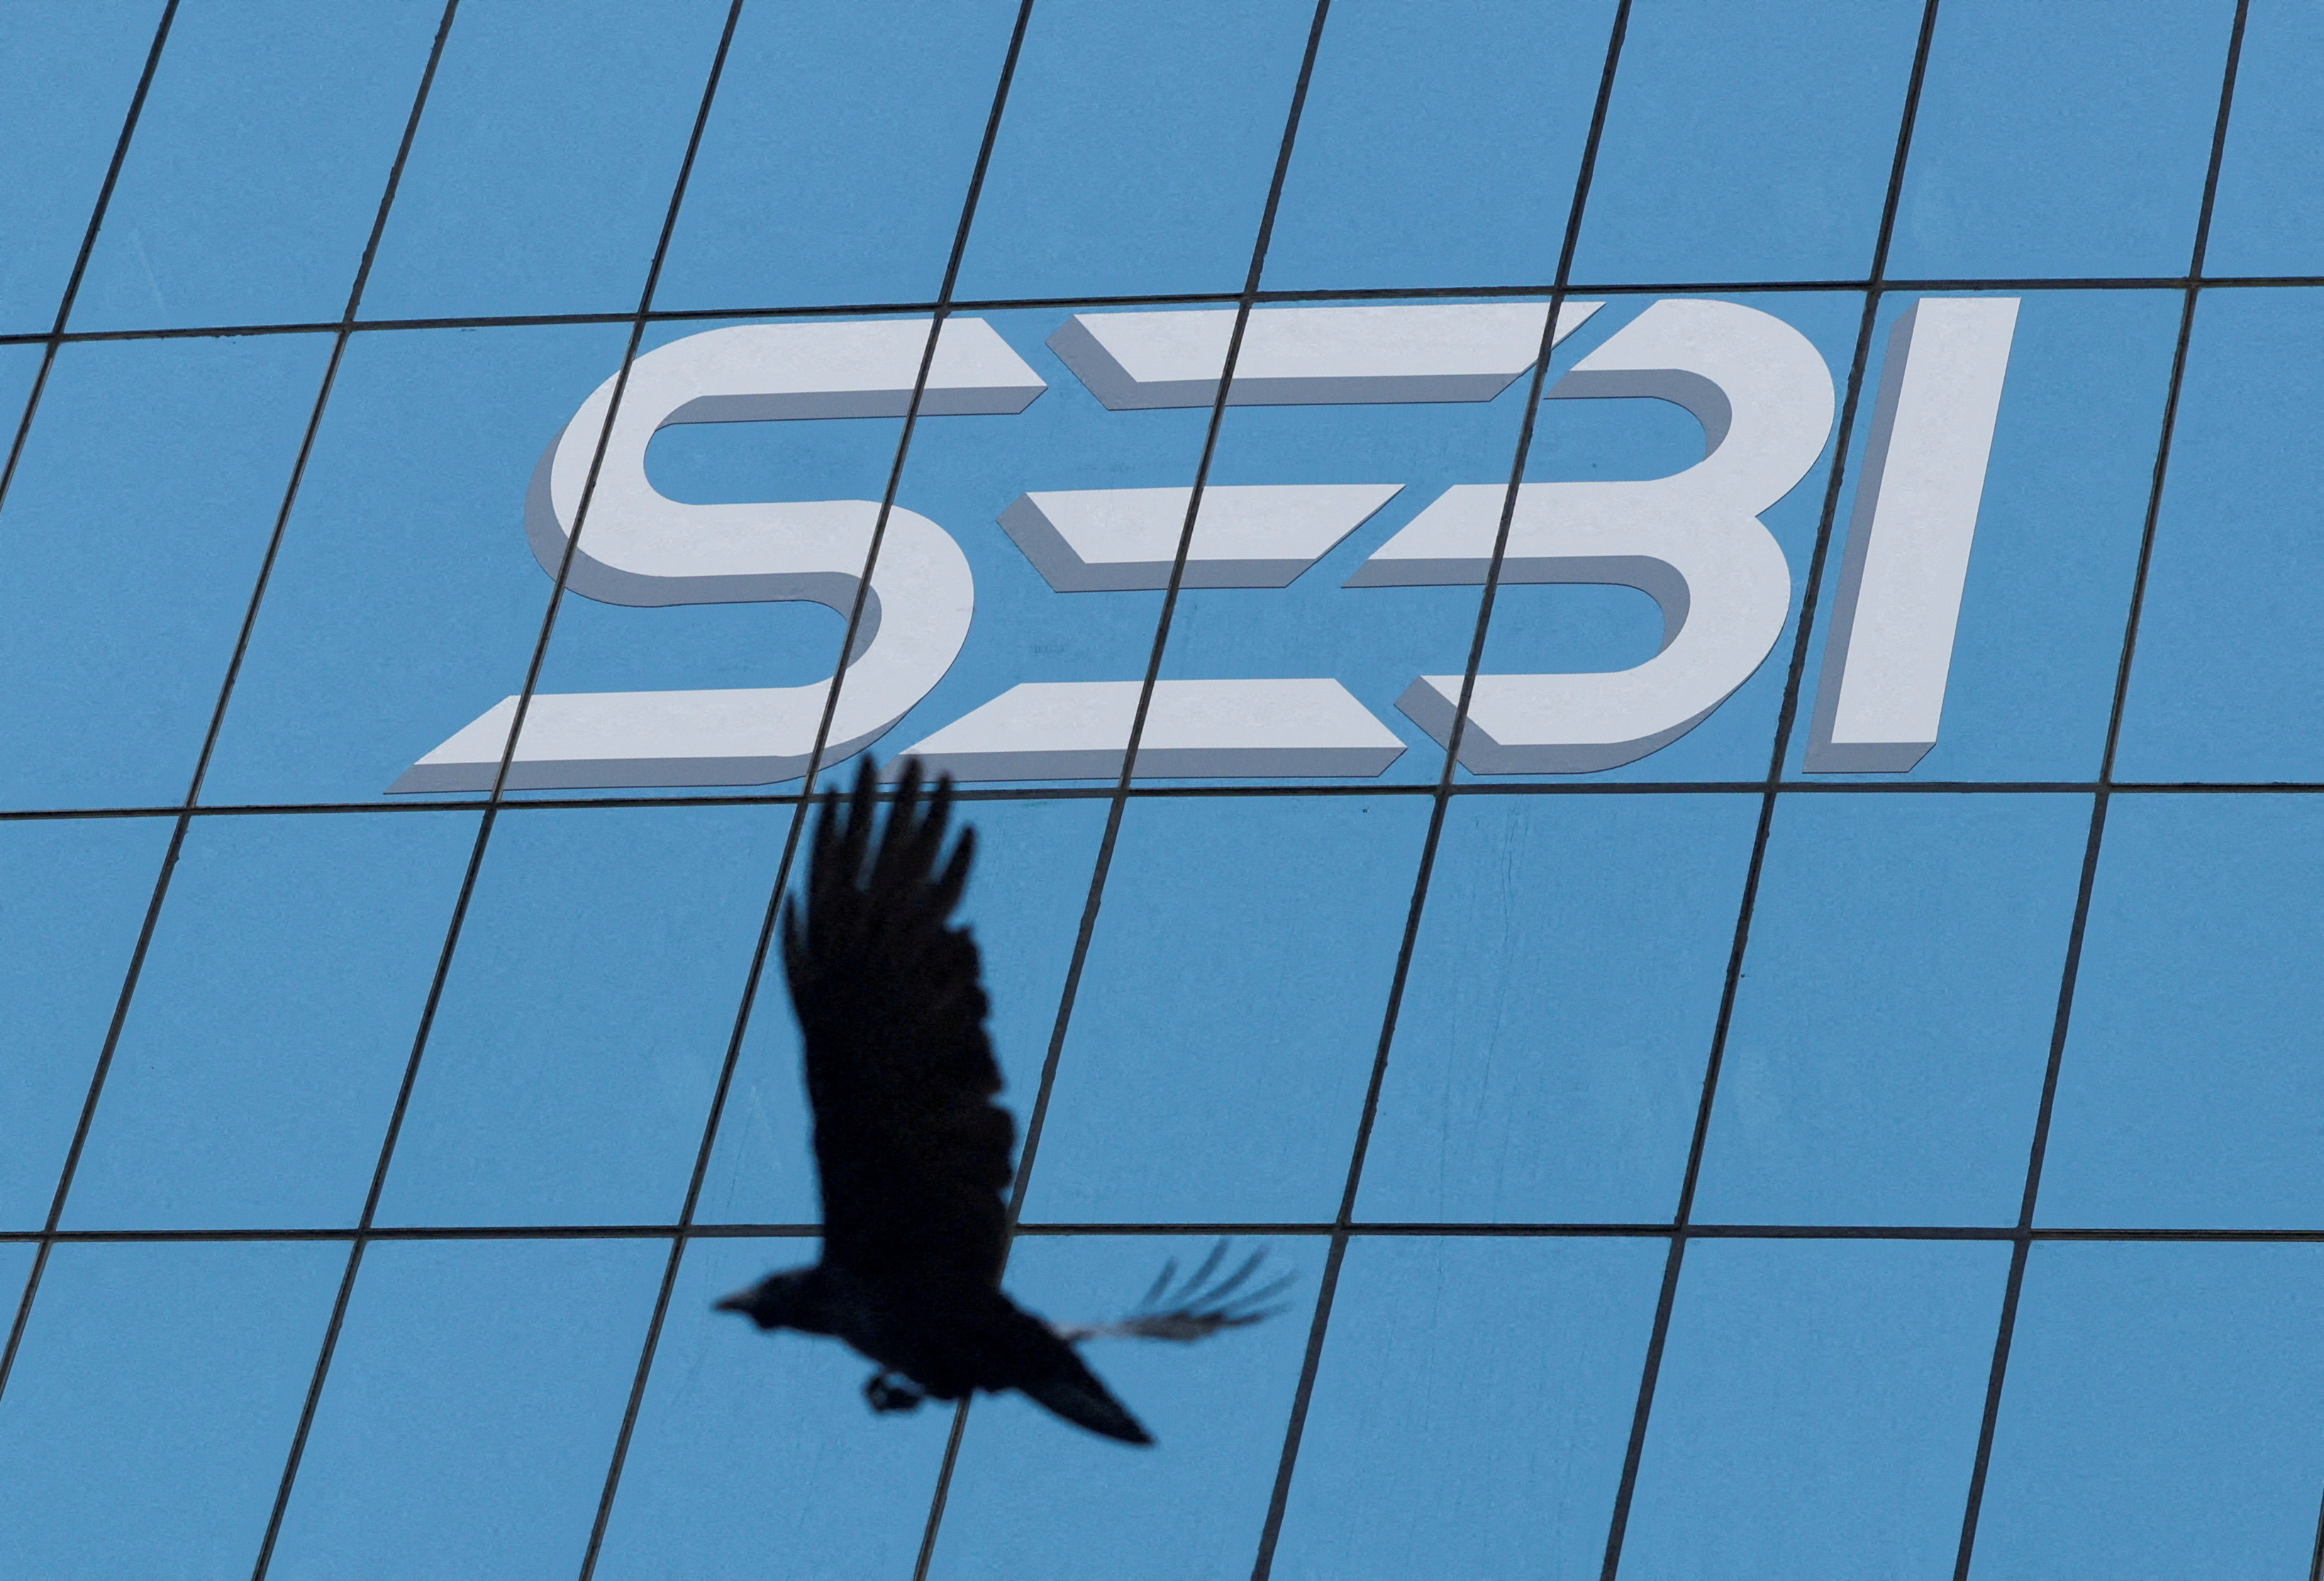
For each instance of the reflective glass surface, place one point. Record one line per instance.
(1693, 1150)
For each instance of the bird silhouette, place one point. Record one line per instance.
(913, 1154)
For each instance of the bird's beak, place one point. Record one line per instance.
(740, 1301)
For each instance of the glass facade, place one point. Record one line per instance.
(1701, 1151)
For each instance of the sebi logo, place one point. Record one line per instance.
(1691, 540)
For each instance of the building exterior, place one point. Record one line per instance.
(1823, 1083)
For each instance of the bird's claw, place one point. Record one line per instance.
(887, 1395)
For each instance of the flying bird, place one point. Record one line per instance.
(913, 1154)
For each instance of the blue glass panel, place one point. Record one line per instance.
(2038, 642)
(1438, 146)
(1193, 1505)
(2265, 219)
(406, 600)
(1539, 629)
(258, 165)
(73, 894)
(587, 1017)
(19, 367)
(471, 1411)
(2066, 139)
(543, 168)
(1748, 142)
(68, 70)
(1893, 1025)
(154, 1402)
(1473, 1409)
(1817, 1410)
(2188, 1095)
(756, 1453)
(1136, 150)
(132, 539)
(1236, 980)
(838, 153)
(2224, 686)
(273, 1023)
(2159, 1421)
(1024, 902)
(1550, 1049)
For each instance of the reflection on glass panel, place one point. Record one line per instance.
(587, 1017)
(2225, 686)
(2265, 221)
(471, 1411)
(67, 69)
(756, 1453)
(1191, 1506)
(2062, 139)
(154, 1402)
(1748, 142)
(1229, 1011)
(72, 895)
(1136, 150)
(1473, 1408)
(129, 548)
(2036, 652)
(1893, 1025)
(1552, 630)
(273, 1023)
(837, 154)
(2188, 1093)
(2159, 1420)
(1024, 905)
(1438, 146)
(258, 165)
(543, 168)
(1550, 1049)
(1817, 1409)
(406, 599)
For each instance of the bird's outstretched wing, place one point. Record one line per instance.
(1195, 1309)
(912, 1151)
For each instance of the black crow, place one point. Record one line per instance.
(913, 1153)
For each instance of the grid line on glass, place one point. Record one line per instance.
(345, 1290)
(1666, 1300)
(1335, 1255)
(1168, 792)
(1473, 1229)
(2021, 1244)
(801, 802)
(1245, 301)
(134, 971)
(55, 336)
(1194, 299)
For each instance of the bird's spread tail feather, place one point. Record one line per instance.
(1074, 1394)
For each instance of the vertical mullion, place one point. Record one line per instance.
(49, 343)
(1118, 803)
(1335, 1255)
(802, 804)
(492, 805)
(1667, 1298)
(2069, 972)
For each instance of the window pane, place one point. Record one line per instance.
(1473, 1409)
(258, 165)
(154, 1402)
(273, 1023)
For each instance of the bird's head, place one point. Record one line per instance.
(780, 1300)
